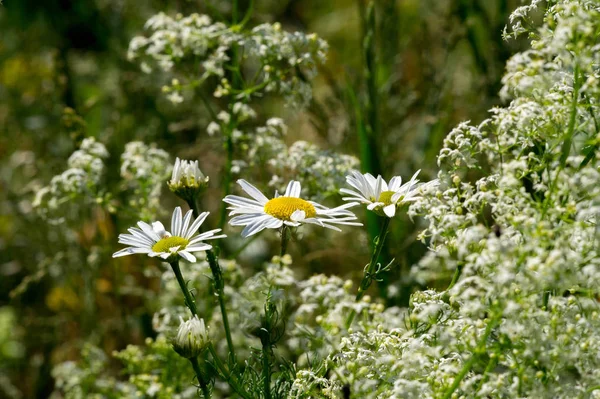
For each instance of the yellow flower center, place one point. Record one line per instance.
(283, 207)
(166, 243)
(385, 197)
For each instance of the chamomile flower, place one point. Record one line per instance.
(155, 241)
(259, 212)
(187, 180)
(187, 174)
(192, 337)
(381, 197)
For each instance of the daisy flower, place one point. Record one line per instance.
(380, 197)
(187, 174)
(155, 241)
(259, 212)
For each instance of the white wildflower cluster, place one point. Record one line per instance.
(286, 62)
(281, 53)
(513, 230)
(81, 179)
(173, 40)
(322, 172)
(144, 169)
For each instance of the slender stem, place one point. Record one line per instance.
(265, 340)
(490, 366)
(266, 347)
(368, 275)
(189, 300)
(456, 276)
(469, 364)
(219, 285)
(285, 236)
(203, 383)
(566, 147)
(225, 372)
(234, 12)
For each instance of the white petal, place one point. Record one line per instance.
(131, 240)
(187, 256)
(159, 229)
(196, 225)
(256, 226)
(293, 189)
(140, 235)
(253, 191)
(146, 228)
(207, 234)
(395, 183)
(186, 222)
(236, 200)
(197, 247)
(176, 222)
(298, 216)
(130, 251)
(243, 220)
(390, 210)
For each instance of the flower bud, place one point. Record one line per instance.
(187, 180)
(192, 338)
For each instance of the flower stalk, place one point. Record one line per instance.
(371, 270)
(189, 300)
(285, 237)
(203, 383)
(233, 383)
(219, 285)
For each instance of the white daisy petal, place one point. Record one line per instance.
(298, 216)
(241, 201)
(255, 226)
(176, 222)
(253, 191)
(140, 235)
(390, 210)
(196, 225)
(159, 229)
(146, 228)
(130, 251)
(197, 247)
(187, 256)
(186, 222)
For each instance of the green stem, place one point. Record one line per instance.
(469, 364)
(285, 236)
(566, 147)
(490, 366)
(226, 374)
(266, 347)
(189, 300)
(203, 383)
(219, 284)
(456, 276)
(368, 275)
(234, 12)
(265, 339)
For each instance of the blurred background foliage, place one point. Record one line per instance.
(64, 75)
